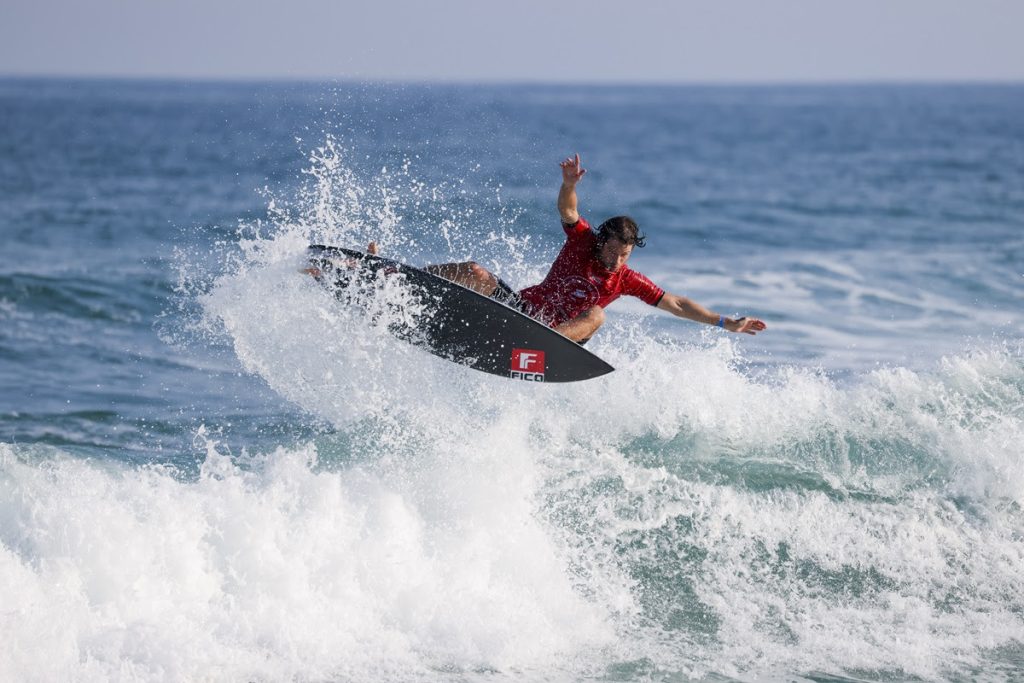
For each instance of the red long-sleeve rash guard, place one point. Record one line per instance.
(578, 281)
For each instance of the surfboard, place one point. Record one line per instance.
(460, 325)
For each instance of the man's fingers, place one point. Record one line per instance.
(571, 167)
(753, 326)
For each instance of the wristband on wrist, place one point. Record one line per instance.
(721, 321)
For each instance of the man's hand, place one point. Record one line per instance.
(572, 171)
(746, 326)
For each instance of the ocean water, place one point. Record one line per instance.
(210, 470)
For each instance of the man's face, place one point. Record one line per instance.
(614, 253)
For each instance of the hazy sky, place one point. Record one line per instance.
(559, 40)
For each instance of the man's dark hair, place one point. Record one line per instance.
(622, 228)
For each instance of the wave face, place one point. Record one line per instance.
(728, 526)
(211, 469)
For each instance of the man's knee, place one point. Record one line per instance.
(480, 274)
(595, 315)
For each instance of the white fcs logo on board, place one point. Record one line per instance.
(527, 364)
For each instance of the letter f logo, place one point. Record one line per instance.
(528, 360)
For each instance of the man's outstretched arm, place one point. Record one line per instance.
(571, 174)
(691, 310)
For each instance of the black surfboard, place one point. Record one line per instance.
(461, 325)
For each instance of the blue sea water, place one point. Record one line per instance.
(210, 470)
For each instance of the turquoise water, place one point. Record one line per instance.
(209, 469)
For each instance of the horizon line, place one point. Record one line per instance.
(461, 81)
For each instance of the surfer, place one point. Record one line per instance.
(589, 273)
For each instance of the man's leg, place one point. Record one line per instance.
(469, 274)
(581, 328)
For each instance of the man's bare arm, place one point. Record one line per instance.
(567, 202)
(691, 310)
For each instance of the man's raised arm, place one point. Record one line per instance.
(571, 174)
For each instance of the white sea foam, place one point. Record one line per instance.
(281, 571)
(539, 531)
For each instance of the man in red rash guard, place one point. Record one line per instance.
(589, 273)
(579, 279)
